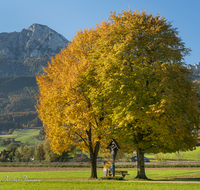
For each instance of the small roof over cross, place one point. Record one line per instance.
(113, 145)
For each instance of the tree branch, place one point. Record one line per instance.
(82, 139)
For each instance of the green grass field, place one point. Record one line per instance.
(67, 185)
(163, 174)
(2, 148)
(23, 135)
(188, 155)
(160, 180)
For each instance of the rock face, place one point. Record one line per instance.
(194, 66)
(25, 52)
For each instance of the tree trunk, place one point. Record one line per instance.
(93, 166)
(93, 153)
(140, 165)
(93, 160)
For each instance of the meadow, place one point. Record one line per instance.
(187, 155)
(160, 179)
(23, 135)
(183, 179)
(63, 185)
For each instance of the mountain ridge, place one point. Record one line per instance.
(20, 52)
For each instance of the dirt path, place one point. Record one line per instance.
(36, 169)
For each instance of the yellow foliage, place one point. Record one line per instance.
(123, 79)
(63, 104)
(139, 77)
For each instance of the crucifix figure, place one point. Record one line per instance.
(113, 146)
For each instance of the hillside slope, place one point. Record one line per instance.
(17, 100)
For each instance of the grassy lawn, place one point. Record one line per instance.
(63, 185)
(79, 180)
(188, 155)
(2, 147)
(182, 175)
(23, 135)
(52, 175)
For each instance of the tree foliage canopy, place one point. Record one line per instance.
(127, 74)
(138, 69)
(63, 102)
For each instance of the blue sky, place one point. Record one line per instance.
(68, 16)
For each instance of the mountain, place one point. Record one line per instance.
(194, 66)
(24, 53)
(22, 56)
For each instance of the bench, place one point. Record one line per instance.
(120, 172)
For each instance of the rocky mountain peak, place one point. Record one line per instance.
(19, 49)
(36, 26)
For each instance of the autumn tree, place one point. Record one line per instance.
(49, 154)
(63, 103)
(24, 153)
(52, 156)
(137, 72)
(39, 153)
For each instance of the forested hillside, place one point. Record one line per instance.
(17, 100)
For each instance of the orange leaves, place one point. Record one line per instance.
(63, 104)
(126, 73)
